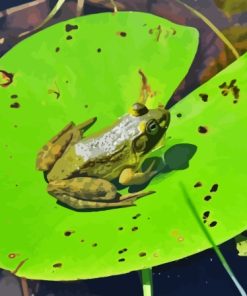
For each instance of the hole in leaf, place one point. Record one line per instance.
(68, 233)
(179, 115)
(122, 34)
(57, 265)
(122, 251)
(121, 260)
(69, 37)
(14, 96)
(198, 184)
(214, 188)
(204, 97)
(99, 50)
(69, 27)
(15, 105)
(207, 197)
(136, 216)
(213, 224)
(206, 214)
(202, 129)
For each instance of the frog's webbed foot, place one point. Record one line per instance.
(130, 177)
(86, 193)
(50, 152)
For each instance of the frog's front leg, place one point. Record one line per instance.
(87, 192)
(50, 152)
(130, 177)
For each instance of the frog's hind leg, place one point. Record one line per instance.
(50, 152)
(89, 204)
(87, 192)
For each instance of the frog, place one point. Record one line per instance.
(81, 170)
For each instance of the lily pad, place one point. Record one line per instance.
(91, 66)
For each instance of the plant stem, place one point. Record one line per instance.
(55, 9)
(24, 286)
(147, 282)
(114, 6)
(79, 8)
(211, 241)
(213, 27)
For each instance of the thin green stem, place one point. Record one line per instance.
(211, 241)
(213, 27)
(147, 282)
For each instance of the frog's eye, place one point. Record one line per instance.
(152, 127)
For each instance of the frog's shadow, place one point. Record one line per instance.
(175, 158)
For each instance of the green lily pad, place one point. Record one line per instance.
(96, 71)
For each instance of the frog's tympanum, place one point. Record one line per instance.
(79, 170)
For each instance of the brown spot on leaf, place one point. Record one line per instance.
(142, 254)
(121, 260)
(19, 266)
(198, 184)
(15, 105)
(57, 265)
(202, 129)
(204, 97)
(146, 90)
(57, 49)
(94, 245)
(179, 115)
(82, 240)
(135, 228)
(120, 228)
(99, 50)
(12, 255)
(69, 27)
(5, 78)
(214, 188)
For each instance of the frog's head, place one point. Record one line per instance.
(152, 125)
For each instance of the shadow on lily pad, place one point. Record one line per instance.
(175, 158)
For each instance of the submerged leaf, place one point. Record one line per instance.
(241, 241)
